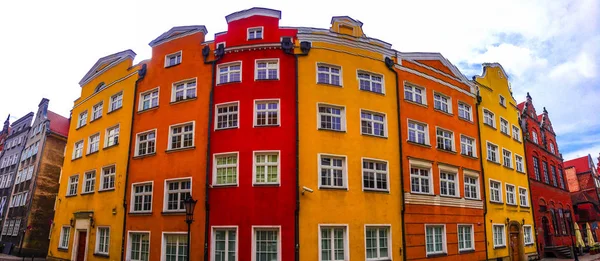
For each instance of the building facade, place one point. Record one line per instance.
(168, 150)
(550, 195)
(89, 214)
(30, 206)
(4, 133)
(584, 184)
(509, 216)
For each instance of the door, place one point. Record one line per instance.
(514, 247)
(81, 245)
(546, 227)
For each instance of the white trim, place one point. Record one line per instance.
(329, 65)
(166, 190)
(508, 126)
(371, 73)
(184, 82)
(167, 56)
(163, 245)
(417, 164)
(472, 236)
(449, 103)
(477, 186)
(426, 76)
(132, 197)
(219, 43)
(89, 145)
(526, 196)
(497, 152)
(511, 159)
(504, 235)
(254, 183)
(255, 28)
(474, 145)
(228, 64)
(237, 168)
(141, 101)
(225, 104)
(385, 124)
(458, 103)
(60, 239)
(483, 109)
(100, 185)
(427, 134)
(346, 238)
(515, 193)
(98, 240)
(444, 239)
(447, 170)
(75, 242)
(137, 142)
(453, 139)
(415, 86)
(128, 247)
(178, 125)
(389, 241)
(387, 170)
(500, 193)
(522, 163)
(326, 36)
(500, 99)
(267, 60)
(254, 118)
(531, 235)
(255, 11)
(344, 173)
(279, 239)
(518, 132)
(342, 116)
(115, 135)
(213, 239)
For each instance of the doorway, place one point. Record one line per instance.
(81, 245)
(515, 242)
(546, 228)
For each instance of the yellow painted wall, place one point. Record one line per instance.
(352, 207)
(492, 84)
(107, 206)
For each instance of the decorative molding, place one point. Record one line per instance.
(178, 32)
(112, 60)
(438, 200)
(255, 11)
(441, 58)
(406, 69)
(323, 35)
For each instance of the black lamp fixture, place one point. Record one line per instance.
(190, 204)
(523, 222)
(72, 222)
(507, 220)
(92, 224)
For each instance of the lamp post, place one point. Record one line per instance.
(189, 204)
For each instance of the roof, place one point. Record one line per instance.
(582, 198)
(520, 106)
(540, 117)
(178, 32)
(106, 63)
(580, 164)
(252, 12)
(58, 123)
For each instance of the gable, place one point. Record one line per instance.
(106, 63)
(178, 32)
(346, 25)
(437, 65)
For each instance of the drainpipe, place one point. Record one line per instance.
(389, 63)
(205, 53)
(534, 232)
(482, 172)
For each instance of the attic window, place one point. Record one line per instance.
(100, 87)
(346, 29)
(255, 33)
(173, 59)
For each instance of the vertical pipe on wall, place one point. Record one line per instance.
(483, 196)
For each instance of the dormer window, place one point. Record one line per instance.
(173, 59)
(100, 87)
(502, 101)
(255, 33)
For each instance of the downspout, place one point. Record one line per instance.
(205, 53)
(482, 173)
(141, 75)
(389, 63)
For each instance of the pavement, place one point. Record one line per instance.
(5, 257)
(586, 257)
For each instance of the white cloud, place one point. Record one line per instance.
(582, 66)
(516, 59)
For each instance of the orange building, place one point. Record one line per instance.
(168, 149)
(442, 179)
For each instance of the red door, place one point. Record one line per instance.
(81, 245)
(514, 247)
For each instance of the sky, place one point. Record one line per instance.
(550, 49)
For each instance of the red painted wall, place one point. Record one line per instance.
(246, 205)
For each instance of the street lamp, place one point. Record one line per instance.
(189, 204)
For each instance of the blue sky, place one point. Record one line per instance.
(549, 48)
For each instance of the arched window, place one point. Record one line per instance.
(102, 86)
(534, 136)
(552, 148)
(562, 222)
(568, 221)
(554, 222)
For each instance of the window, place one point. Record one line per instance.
(372, 123)
(267, 70)
(267, 244)
(333, 245)
(554, 179)
(73, 183)
(112, 136)
(331, 118)
(414, 94)
(139, 246)
(255, 33)
(231, 72)
(266, 168)
(146, 143)
(116, 101)
(516, 133)
(227, 116)
(561, 178)
(536, 168)
(435, 239)
(177, 191)
(552, 148)
(534, 136)
(64, 237)
(225, 170)
(78, 149)
(82, 120)
(527, 235)
(94, 143)
(495, 191)
(502, 101)
(175, 247)
(523, 197)
(489, 118)
(448, 184)
(148, 99)
(545, 169)
(510, 195)
(332, 171)
(184, 90)
(467, 146)
(266, 113)
(504, 126)
(329, 74)
(445, 139)
(108, 177)
(465, 237)
(417, 133)
(102, 240)
(182, 136)
(420, 180)
(224, 244)
(519, 163)
(464, 111)
(499, 240)
(142, 198)
(492, 152)
(442, 103)
(375, 175)
(97, 111)
(507, 158)
(173, 59)
(471, 187)
(377, 243)
(370, 82)
(89, 182)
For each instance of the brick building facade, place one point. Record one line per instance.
(584, 182)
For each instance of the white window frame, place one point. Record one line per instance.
(229, 72)
(500, 194)
(267, 110)
(116, 99)
(279, 239)
(62, 244)
(507, 126)
(213, 239)
(519, 164)
(423, 93)
(237, 168)
(91, 180)
(473, 146)
(147, 141)
(534, 136)
(477, 186)
(371, 81)
(494, 225)
(496, 151)
(163, 244)
(508, 194)
(346, 241)
(426, 132)
(268, 62)
(95, 110)
(114, 138)
(142, 194)
(227, 114)
(182, 125)
(344, 159)
(429, 178)
(97, 249)
(254, 30)
(151, 92)
(178, 57)
(485, 118)
(81, 120)
(526, 195)
(108, 176)
(455, 182)
(178, 191)
(378, 227)
(502, 100)
(185, 89)
(452, 139)
(373, 121)
(472, 237)
(329, 74)
(342, 116)
(78, 151)
(469, 112)
(551, 145)
(91, 143)
(444, 239)
(265, 164)
(531, 237)
(510, 158)
(71, 183)
(448, 102)
(516, 133)
(129, 244)
(375, 171)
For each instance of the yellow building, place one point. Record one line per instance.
(349, 162)
(509, 221)
(88, 222)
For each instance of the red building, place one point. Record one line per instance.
(4, 133)
(584, 182)
(253, 141)
(549, 192)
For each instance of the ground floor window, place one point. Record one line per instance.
(139, 246)
(435, 239)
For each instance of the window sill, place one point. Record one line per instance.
(109, 112)
(63, 249)
(76, 158)
(101, 255)
(228, 128)
(266, 126)
(374, 136)
(91, 153)
(489, 126)
(505, 134)
(449, 196)
(140, 213)
(180, 149)
(497, 202)
(525, 206)
(173, 213)
(377, 93)
(265, 80)
(224, 185)
(511, 168)
(149, 109)
(106, 190)
(333, 188)
(494, 162)
(447, 151)
(468, 156)
(466, 120)
(226, 83)
(419, 144)
(330, 84)
(266, 185)
(437, 255)
(519, 141)
(172, 65)
(424, 194)
(111, 146)
(511, 205)
(416, 103)
(341, 131)
(86, 193)
(183, 100)
(376, 190)
(466, 251)
(70, 196)
(522, 172)
(79, 127)
(443, 112)
(499, 247)
(474, 199)
(93, 120)
(144, 156)
(529, 244)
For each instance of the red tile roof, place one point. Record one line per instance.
(520, 106)
(58, 124)
(581, 164)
